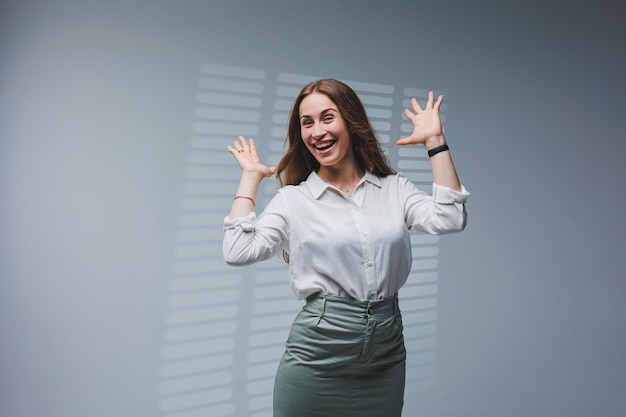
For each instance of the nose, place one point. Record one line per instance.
(318, 131)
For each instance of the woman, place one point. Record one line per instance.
(341, 219)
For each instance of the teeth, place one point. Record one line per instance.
(324, 145)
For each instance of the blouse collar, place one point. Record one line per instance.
(318, 185)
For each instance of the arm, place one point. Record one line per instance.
(252, 173)
(246, 238)
(441, 212)
(251, 239)
(427, 131)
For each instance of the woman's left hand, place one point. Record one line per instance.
(426, 121)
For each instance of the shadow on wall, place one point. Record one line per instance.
(224, 337)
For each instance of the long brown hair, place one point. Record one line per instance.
(297, 163)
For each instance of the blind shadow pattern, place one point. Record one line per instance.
(225, 327)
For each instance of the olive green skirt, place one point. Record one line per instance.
(344, 357)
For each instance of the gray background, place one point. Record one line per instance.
(97, 105)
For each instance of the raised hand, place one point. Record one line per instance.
(248, 159)
(426, 121)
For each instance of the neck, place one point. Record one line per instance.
(345, 180)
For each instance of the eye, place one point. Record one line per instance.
(329, 118)
(306, 122)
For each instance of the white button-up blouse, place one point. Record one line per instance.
(355, 247)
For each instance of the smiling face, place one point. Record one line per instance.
(325, 133)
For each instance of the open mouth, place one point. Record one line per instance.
(322, 146)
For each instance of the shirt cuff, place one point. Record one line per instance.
(445, 195)
(246, 223)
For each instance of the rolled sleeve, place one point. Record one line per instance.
(246, 223)
(441, 212)
(445, 195)
(251, 239)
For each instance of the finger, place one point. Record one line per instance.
(253, 149)
(416, 106)
(403, 141)
(408, 114)
(438, 103)
(235, 152)
(237, 144)
(244, 144)
(429, 103)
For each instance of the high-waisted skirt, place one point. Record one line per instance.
(343, 357)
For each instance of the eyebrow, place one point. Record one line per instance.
(322, 112)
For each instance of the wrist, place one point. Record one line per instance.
(252, 177)
(434, 142)
(438, 149)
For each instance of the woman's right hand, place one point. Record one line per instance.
(248, 159)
